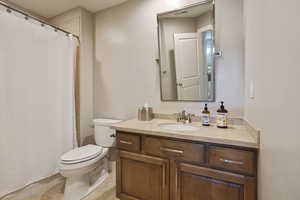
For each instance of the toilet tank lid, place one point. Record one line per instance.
(105, 122)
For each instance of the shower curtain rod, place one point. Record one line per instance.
(27, 16)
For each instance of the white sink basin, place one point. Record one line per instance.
(178, 127)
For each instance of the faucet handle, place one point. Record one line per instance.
(184, 117)
(178, 116)
(189, 117)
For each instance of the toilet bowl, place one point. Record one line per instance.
(81, 165)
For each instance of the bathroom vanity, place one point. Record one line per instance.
(158, 163)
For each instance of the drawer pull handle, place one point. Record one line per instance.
(125, 142)
(171, 150)
(231, 161)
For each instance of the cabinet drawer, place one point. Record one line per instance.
(195, 182)
(182, 151)
(128, 142)
(232, 159)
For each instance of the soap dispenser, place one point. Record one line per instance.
(205, 117)
(222, 117)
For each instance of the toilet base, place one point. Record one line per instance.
(77, 188)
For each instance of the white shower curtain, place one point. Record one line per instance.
(37, 114)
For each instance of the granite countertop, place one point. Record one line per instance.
(237, 135)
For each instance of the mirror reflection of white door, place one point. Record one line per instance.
(188, 67)
(191, 72)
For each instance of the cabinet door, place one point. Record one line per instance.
(199, 183)
(141, 177)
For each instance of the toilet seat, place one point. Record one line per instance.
(81, 154)
(68, 167)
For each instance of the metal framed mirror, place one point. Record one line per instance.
(186, 50)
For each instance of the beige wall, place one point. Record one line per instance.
(272, 63)
(126, 74)
(80, 22)
(205, 19)
(69, 21)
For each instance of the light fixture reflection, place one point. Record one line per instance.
(174, 3)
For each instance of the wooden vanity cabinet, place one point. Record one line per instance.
(155, 168)
(142, 177)
(200, 183)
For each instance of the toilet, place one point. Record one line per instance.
(85, 168)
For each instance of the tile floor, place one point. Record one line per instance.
(106, 191)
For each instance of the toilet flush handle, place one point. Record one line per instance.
(113, 135)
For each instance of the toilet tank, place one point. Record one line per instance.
(103, 132)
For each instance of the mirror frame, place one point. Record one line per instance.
(214, 42)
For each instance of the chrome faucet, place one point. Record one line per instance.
(184, 117)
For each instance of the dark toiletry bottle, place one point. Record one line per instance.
(205, 117)
(222, 117)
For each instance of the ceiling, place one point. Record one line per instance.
(51, 8)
